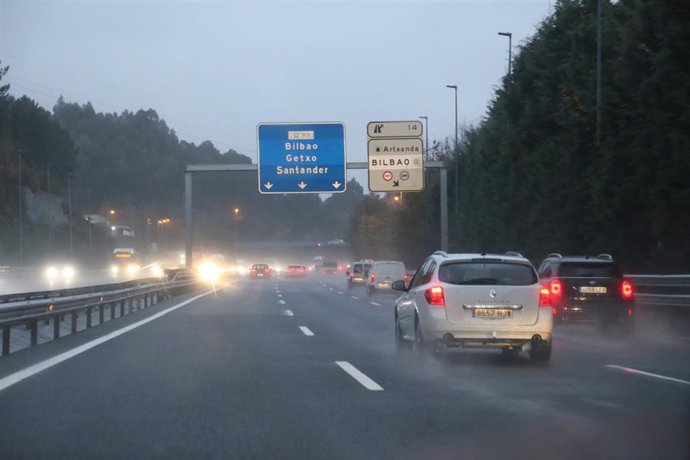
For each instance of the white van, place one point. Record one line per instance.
(382, 274)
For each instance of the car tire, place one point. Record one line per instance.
(400, 343)
(540, 353)
(419, 345)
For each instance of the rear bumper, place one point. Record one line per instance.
(493, 334)
(595, 313)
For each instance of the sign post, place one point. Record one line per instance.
(301, 158)
(396, 156)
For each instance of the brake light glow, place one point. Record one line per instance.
(630, 311)
(434, 296)
(373, 278)
(556, 288)
(545, 298)
(627, 290)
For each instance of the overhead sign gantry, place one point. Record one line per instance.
(301, 158)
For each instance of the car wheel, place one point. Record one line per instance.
(540, 353)
(400, 342)
(419, 345)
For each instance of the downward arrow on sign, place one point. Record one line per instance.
(302, 185)
(336, 184)
(268, 186)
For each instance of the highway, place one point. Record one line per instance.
(304, 368)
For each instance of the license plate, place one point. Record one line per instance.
(593, 289)
(492, 313)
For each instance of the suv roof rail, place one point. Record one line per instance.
(513, 253)
(440, 253)
(555, 254)
(605, 256)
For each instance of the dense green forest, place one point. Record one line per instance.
(133, 163)
(533, 174)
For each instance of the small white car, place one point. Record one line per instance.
(382, 274)
(475, 300)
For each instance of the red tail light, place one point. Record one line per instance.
(405, 277)
(373, 278)
(627, 290)
(630, 311)
(545, 297)
(434, 296)
(556, 288)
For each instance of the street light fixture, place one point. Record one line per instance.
(455, 88)
(510, 49)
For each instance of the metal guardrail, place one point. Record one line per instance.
(666, 293)
(33, 308)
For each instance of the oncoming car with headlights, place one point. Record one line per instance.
(475, 301)
(125, 262)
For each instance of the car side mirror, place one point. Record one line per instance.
(399, 285)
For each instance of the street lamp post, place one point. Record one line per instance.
(236, 212)
(69, 194)
(426, 136)
(598, 108)
(50, 227)
(21, 213)
(510, 49)
(455, 88)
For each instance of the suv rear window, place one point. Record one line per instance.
(588, 270)
(389, 269)
(260, 267)
(357, 268)
(330, 264)
(494, 273)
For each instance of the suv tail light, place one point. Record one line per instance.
(545, 297)
(556, 288)
(627, 290)
(434, 296)
(373, 278)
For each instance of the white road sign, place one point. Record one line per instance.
(394, 129)
(396, 165)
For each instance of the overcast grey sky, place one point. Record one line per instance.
(213, 70)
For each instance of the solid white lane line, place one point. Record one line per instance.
(281, 301)
(18, 376)
(305, 330)
(374, 303)
(288, 313)
(340, 292)
(354, 297)
(630, 370)
(359, 376)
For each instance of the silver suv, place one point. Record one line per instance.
(475, 300)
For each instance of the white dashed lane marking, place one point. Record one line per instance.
(354, 297)
(305, 330)
(288, 313)
(374, 303)
(359, 376)
(630, 370)
(281, 301)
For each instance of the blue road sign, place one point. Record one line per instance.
(301, 157)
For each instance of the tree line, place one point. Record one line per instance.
(534, 176)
